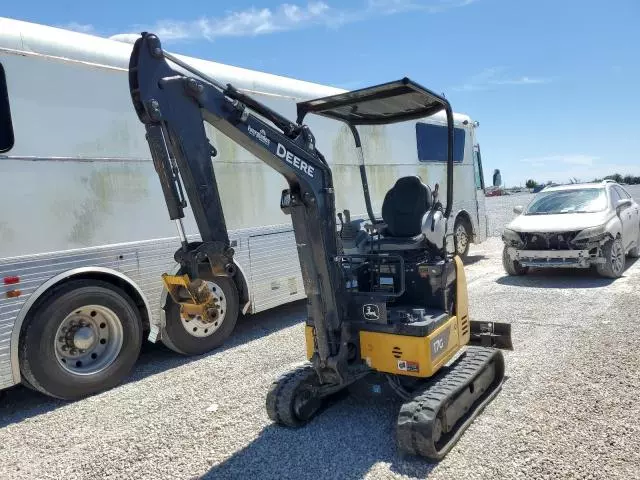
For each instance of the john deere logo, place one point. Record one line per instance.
(371, 312)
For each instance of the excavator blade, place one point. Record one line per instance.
(491, 334)
(431, 422)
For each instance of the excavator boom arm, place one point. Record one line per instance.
(172, 106)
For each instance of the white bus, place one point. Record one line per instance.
(84, 230)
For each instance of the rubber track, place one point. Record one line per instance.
(417, 416)
(281, 394)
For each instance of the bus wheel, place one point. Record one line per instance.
(195, 337)
(462, 236)
(85, 337)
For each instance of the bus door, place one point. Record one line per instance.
(481, 211)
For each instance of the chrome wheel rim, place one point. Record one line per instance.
(88, 340)
(196, 327)
(617, 257)
(461, 238)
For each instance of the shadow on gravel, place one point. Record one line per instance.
(156, 358)
(471, 259)
(20, 403)
(344, 442)
(561, 278)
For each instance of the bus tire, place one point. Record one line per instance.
(462, 234)
(83, 338)
(191, 337)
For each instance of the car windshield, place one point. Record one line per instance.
(585, 200)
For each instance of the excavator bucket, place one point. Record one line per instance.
(194, 297)
(491, 334)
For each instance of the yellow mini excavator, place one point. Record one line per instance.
(384, 295)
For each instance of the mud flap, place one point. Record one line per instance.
(491, 334)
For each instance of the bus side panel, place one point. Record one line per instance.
(142, 262)
(275, 270)
(81, 171)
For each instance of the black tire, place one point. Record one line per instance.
(614, 260)
(462, 247)
(635, 251)
(25, 383)
(284, 392)
(177, 338)
(39, 364)
(512, 267)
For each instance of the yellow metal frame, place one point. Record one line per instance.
(408, 355)
(415, 356)
(200, 298)
(173, 283)
(462, 302)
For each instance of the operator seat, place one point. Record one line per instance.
(404, 206)
(403, 210)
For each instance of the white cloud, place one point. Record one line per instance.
(397, 6)
(78, 27)
(521, 81)
(497, 76)
(287, 17)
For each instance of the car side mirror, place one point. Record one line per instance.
(623, 203)
(518, 209)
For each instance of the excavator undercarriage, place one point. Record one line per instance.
(384, 295)
(437, 366)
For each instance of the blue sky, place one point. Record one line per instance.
(553, 83)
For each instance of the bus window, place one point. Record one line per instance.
(432, 143)
(6, 127)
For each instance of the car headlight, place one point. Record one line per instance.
(591, 233)
(512, 238)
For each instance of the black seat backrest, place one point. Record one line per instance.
(404, 207)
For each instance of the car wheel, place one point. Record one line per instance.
(512, 267)
(462, 236)
(194, 337)
(613, 253)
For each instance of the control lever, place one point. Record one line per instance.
(436, 187)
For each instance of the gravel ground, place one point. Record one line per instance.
(569, 408)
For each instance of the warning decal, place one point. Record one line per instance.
(407, 366)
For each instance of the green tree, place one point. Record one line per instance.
(616, 177)
(531, 184)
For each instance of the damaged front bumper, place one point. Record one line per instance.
(583, 258)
